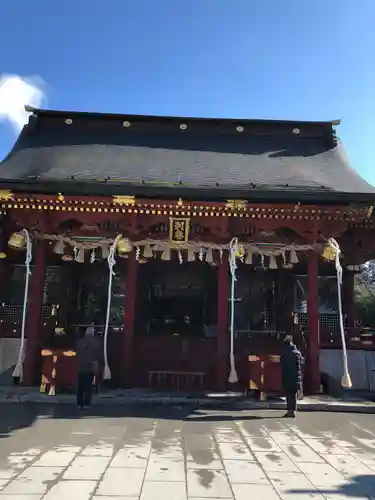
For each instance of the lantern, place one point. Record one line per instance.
(17, 241)
(124, 245)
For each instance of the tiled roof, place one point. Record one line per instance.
(160, 153)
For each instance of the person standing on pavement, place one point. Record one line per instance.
(87, 360)
(292, 363)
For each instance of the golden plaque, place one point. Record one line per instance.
(179, 230)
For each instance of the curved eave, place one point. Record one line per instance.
(95, 188)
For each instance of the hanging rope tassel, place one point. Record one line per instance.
(18, 369)
(233, 377)
(346, 381)
(111, 264)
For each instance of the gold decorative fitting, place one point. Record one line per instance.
(240, 251)
(17, 241)
(126, 124)
(60, 197)
(329, 253)
(5, 195)
(124, 246)
(369, 211)
(236, 205)
(128, 201)
(67, 258)
(46, 352)
(180, 202)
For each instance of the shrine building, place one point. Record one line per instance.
(173, 193)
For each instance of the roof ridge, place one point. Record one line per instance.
(239, 120)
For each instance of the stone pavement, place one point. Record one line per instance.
(51, 452)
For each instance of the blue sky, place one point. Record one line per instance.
(289, 59)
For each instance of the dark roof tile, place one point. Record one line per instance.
(211, 154)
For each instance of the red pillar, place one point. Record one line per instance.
(34, 315)
(222, 325)
(129, 319)
(313, 324)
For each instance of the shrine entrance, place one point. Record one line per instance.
(175, 337)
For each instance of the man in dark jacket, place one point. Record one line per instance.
(292, 363)
(87, 359)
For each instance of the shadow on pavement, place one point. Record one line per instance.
(15, 416)
(358, 487)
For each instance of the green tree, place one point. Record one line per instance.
(365, 295)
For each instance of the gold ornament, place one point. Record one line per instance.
(3, 255)
(329, 253)
(127, 201)
(236, 205)
(67, 258)
(5, 195)
(17, 241)
(124, 245)
(240, 251)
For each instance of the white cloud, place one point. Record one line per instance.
(15, 93)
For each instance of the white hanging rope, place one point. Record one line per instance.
(345, 380)
(233, 377)
(111, 264)
(18, 370)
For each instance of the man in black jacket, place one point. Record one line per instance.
(292, 363)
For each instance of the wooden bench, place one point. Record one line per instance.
(178, 379)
